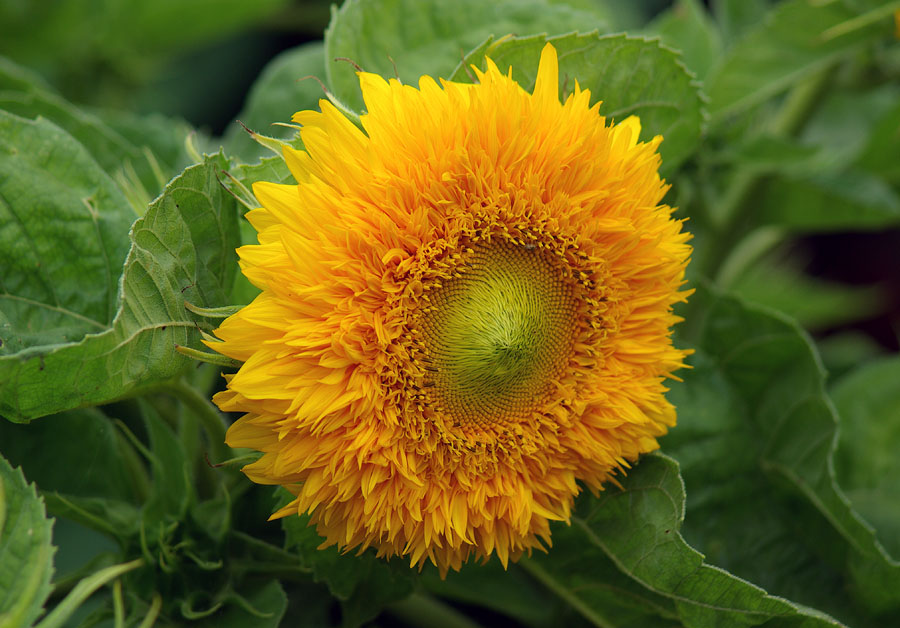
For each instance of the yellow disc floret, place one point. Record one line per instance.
(497, 334)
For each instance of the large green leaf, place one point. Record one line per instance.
(636, 531)
(845, 120)
(755, 441)
(797, 39)
(136, 151)
(736, 17)
(688, 28)
(182, 249)
(830, 177)
(631, 75)
(171, 492)
(813, 302)
(63, 237)
(44, 450)
(26, 555)
(853, 199)
(430, 37)
(768, 154)
(866, 463)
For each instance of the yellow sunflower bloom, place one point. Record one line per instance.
(465, 311)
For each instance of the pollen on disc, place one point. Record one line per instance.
(498, 333)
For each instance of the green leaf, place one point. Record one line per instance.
(879, 154)
(813, 302)
(138, 151)
(213, 516)
(281, 90)
(765, 154)
(52, 192)
(688, 28)
(755, 441)
(796, 40)
(866, 461)
(843, 351)
(183, 248)
(26, 555)
(171, 491)
(736, 17)
(826, 179)
(631, 75)
(638, 530)
(853, 199)
(164, 137)
(44, 449)
(79, 46)
(115, 518)
(364, 584)
(846, 121)
(272, 169)
(619, 16)
(430, 37)
(80, 552)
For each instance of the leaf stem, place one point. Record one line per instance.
(539, 574)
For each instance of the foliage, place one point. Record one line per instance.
(775, 499)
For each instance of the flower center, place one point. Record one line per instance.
(498, 333)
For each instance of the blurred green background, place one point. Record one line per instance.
(194, 59)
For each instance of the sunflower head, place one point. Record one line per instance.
(465, 311)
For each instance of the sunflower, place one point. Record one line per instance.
(465, 312)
